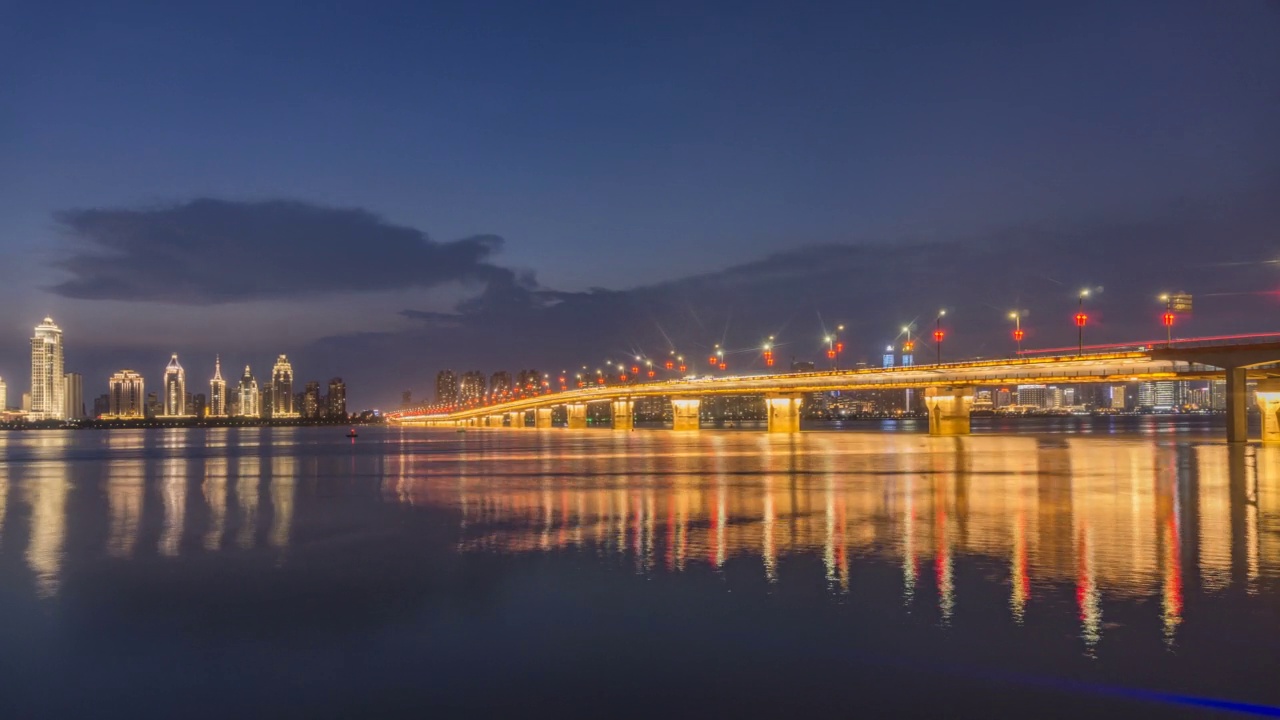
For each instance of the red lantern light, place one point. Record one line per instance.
(712, 360)
(635, 370)
(768, 361)
(724, 366)
(623, 377)
(670, 365)
(839, 347)
(600, 380)
(650, 374)
(684, 368)
(908, 346)
(938, 335)
(1168, 319)
(1081, 319)
(831, 353)
(1018, 335)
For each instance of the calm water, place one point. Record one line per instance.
(1097, 569)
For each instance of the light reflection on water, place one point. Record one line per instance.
(1107, 535)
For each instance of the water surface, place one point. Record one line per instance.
(1063, 572)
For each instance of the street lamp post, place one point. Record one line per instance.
(938, 334)
(1016, 317)
(1081, 319)
(768, 352)
(1168, 319)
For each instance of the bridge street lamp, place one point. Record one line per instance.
(768, 352)
(938, 334)
(1016, 317)
(1168, 319)
(1081, 319)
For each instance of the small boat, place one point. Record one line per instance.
(352, 434)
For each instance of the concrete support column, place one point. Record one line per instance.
(1269, 403)
(496, 420)
(685, 413)
(515, 420)
(577, 416)
(528, 419)
(784, 413)
(948, 409)
(623, 414)
(542, 418)
(1237, 407)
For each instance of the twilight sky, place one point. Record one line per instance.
(384, 189)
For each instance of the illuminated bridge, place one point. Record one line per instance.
(948, 387)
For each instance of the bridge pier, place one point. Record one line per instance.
(577, 416)
(542, 418)
(496, 420)
(623, 414)
(515, 420)
(685, 413)
(1237, 406)
(948, 409)
(784, 413)
(1269, 403)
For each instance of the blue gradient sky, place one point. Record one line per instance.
(609, 145)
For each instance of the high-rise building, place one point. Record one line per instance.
(1146, 395)
(102, 405)
(311, 401)
(217, 390)
(406, 399)
(73, 394)
(337, 400)
(199, 406)
(446, 387)
(1218, 394)
(4, 396)
(127, 395)
(266, 402)
(1167, 394)
(26, 402)
(1118, 393)
(175, 389)
(471, 388)
(282, 389)
(1003, 397)
(248, 394)
(1036, 396)
(500, 383)
(531, 380)
(48, 386)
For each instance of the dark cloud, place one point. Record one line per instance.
(1213, 250)
(216, 251)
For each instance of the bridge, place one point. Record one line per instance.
(948, 388)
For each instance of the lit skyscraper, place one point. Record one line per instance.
(282, 389)
(500, 383)
(48, 386)
(446, 387)
(4, 395)
(127, 395)
(311, 401)
(248, 394)
(175, 389)
(1033, 396)
(73, 392)
(337, 401)
(471, 388)
(217, 390)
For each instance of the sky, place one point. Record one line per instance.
(381, 190)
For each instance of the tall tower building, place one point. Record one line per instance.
(126, 395)
(337, 398)
(282, 389)
(311, 401)
(217, 390)
(175, 389)
(472, 386)
(446, 387)
(248, 394)
(48, 386)
(73, 392)
(4, 396)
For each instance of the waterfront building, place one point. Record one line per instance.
(472, 386)
(265, 406)
(217, 390)
(447, 387)
(1218, 395)
(1003, 398)
(311, 401)
(1118, 393)
(337, 400)
(248, 395)
(1036, 396)
(126, 395)
(1167, 394)
(4, 396)
(48, 386)
(102, 405)
(153, 406)
(198, 405)
(73, 395)
(175, 389)
(26, 402)
(282, 389)
(500, 383)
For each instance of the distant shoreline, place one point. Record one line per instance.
(185, 423)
